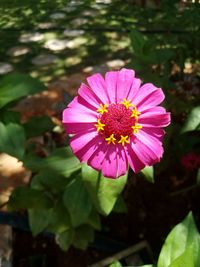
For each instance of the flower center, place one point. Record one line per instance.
(118, 121)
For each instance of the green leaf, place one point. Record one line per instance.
(15, 86)
(115, 264)
(38, 220)
(77, 201)
(193, 121)
(198, 176)
(65, 239)
(138, 42)
(118, 264)
(59, 220)
(49, 180)
(120, 206)
(94, 220)
(12, 139)
(181, 239)
(148, 173)
(83, 236)
(186, 259)
(38, 125)
(28, 198)
(61, 161)
(104, 192)
(163, 55)
(8, 116)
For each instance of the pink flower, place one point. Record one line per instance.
(116, 122)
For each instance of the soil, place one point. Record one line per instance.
(43, 252)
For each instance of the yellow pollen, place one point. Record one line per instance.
(135, 113)
(111, 139)
(127, 103)
(102, 109)
(136, 128)
(100, 126)
(123, 140)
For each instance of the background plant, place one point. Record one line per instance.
(181, 247)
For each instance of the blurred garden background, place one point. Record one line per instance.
(47, 49)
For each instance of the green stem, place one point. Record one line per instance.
(184, 190)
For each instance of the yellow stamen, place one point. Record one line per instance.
(135, 113)
(111, 139)
(136, 128)
(127, 103)
(123, 140)
(100, 126)
(102, 109)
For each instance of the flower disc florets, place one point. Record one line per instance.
(118, 121)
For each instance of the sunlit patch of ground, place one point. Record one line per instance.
(58, 15)
(46, 25)
(44, 59)
(5, 68)
(31, 37)
(12, 175)
(73, 33)
(18, 51)
(56, 45)
(41, 104)
(61, 38)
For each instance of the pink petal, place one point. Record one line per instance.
(144, 153)
(134, 88)
(80, 103)
(156, 132)
(161, 120)
(71, 116)
(77, 112)
(75, 128)
(110, 159)
(148, 148)
(78, 141)
(148, 96)
(96, 159)
(111, 83)
(124, 83)
(98, 86)
(154, 110)
(122, 161)
(84, 145)
(155, 117)
(89, 96)
(110, 164)
(135, 163)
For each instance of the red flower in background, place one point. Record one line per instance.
(191, 161)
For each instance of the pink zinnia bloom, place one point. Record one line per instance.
(116, 122)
